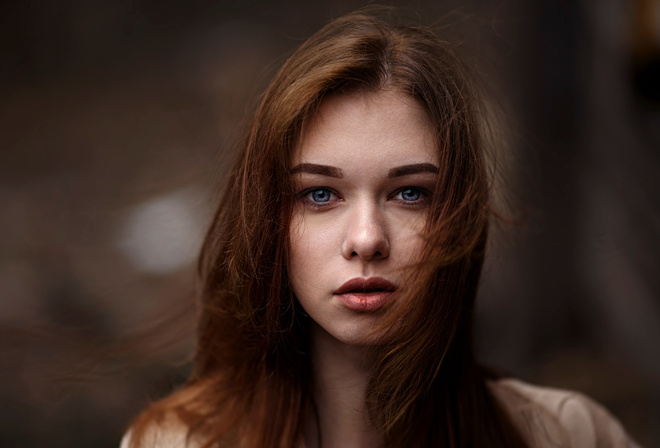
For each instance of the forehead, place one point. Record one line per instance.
(386, 124)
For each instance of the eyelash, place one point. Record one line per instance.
(303, 196)
(422, 201)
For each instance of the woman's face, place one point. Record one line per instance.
(364, 174)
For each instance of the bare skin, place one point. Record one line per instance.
(340, 384)
(364, 176)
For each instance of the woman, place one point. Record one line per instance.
(339, 274)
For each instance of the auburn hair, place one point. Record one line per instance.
(251, 384)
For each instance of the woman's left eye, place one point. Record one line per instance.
(410, 194)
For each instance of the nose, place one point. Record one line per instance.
(366, 235)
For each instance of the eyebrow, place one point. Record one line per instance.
(416, 168)
(323, 170)
(331, 171)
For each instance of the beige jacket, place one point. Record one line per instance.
(548, 418)
(551, 418)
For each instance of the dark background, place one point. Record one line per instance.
(117, 120)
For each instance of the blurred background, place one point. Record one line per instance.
(117, 121)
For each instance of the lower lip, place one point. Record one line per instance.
(364, 301)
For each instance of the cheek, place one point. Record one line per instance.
(409, 251)
(298, 248)
(313, 253)
(304, 253)
(407, 239)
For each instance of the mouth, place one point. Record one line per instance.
(365, 294)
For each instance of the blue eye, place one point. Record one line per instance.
(410, 194)
(320, 195)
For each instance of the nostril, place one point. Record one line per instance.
(365, 239)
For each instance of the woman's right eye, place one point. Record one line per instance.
(321, 195)
(318, 197)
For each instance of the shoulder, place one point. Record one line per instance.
(168, 433)
(166, 423)
(559, 418)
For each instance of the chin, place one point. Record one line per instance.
(354, 334)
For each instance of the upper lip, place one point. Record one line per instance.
(371, 284)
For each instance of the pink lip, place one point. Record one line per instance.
(365, 294)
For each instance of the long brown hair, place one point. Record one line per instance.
(251, 385)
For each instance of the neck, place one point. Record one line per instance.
(340, 383)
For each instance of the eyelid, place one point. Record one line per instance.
(302, 197)
(306, 191)
(423, 200)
